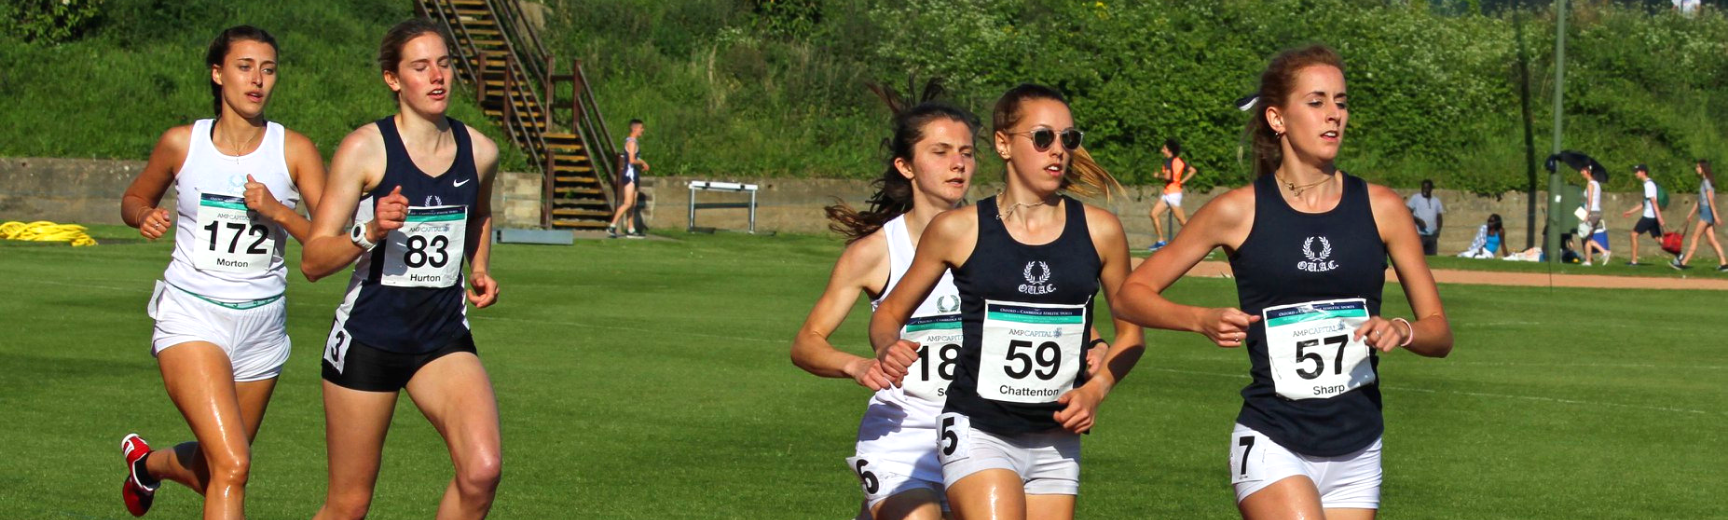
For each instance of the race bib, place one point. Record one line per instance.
(1247, 457)
(1031, 351)
(427, 250)
(953, 438)
(938, 339)
(336, 348)
(230, 237)
(1310, 350)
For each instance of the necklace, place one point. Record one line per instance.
(1296, 191)
(239, 151)
(1015, 206)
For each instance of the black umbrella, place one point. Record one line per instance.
(1579, 161)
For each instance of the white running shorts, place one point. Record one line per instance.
(1047, 462)
(896, 450)
(1351, 481)
(255, 339)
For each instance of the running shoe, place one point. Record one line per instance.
(1722, 268)
(611, 231)
(1634, 264)
(635, 234)
(137, 495)
(1676, 264)
(1159, 245)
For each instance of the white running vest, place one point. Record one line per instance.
(221, 249)
(943, 301)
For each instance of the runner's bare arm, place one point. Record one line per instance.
(1433, 333)
(1081, 404)
(947, 242)
(482, 288)
(306, 170)
(138, 206)
(1223, 222)
(357, 166)
(1130, 342)
(862, 268)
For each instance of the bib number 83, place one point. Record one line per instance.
(418, 255)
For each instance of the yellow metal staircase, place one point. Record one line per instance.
(513, 75)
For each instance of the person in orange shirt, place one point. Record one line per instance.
(1175, 172)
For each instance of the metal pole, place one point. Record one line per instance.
(692, 225)
(1529, 132)
(1554, 184)
(752, 212)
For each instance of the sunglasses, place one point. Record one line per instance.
(1042, 138)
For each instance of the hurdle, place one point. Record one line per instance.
(730, 187)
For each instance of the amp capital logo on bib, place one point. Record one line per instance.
(1037, 273)
(1318, 261)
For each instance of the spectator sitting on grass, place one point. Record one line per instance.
(1488, 240)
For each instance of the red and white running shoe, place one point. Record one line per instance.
(138, 496)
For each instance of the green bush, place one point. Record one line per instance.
(1433, 84)
(753, 88)
(49, 21)
(141, 71)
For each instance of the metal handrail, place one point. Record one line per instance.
(531, 136)
(509, 17)
(450, 29)
(593, 107)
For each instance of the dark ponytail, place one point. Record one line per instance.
(218, 53)
(1275, 86)
(893, 195)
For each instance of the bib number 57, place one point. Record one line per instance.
(1303, 355)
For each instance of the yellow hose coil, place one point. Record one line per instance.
(45, 231)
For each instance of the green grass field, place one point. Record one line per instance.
(649, 379)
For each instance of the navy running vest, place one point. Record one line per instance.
(1292, 257)
(414, 320)
(1033, 304)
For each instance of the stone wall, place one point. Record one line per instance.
(88, 191)
(795, 206)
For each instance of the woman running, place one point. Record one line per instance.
(1308, 247)
(1027, 264)
(930, 167)
(1706, 211)
(634, 167)
(221, 333)
(418, 187)
(1174, 172)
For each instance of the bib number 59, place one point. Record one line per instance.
(1048, 354)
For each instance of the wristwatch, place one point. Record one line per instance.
(358, 235)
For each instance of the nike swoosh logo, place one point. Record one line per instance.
(461, 182)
